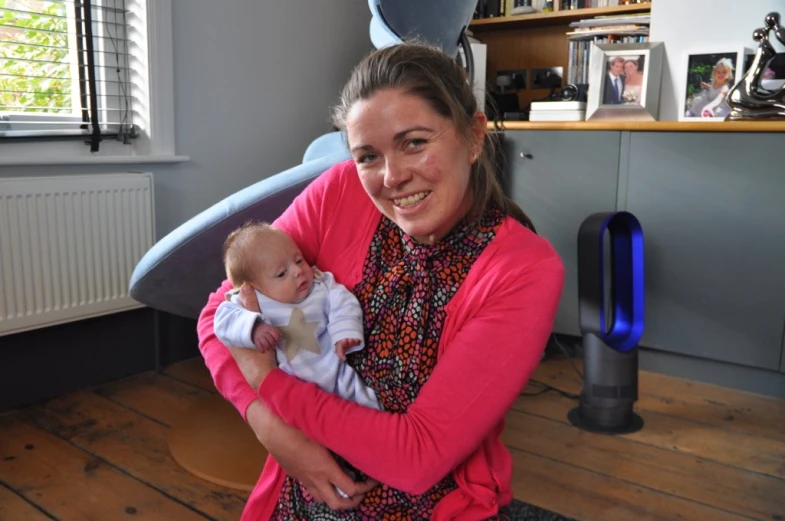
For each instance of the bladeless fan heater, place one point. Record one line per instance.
(611, 327)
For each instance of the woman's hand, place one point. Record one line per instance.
(306, 461)
(301, 458)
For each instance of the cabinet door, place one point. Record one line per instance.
(712, 208)
(569, 176)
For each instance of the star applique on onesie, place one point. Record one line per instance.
(298, 335)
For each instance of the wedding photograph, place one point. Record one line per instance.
(624, 80)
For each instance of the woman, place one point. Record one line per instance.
(633, 83)
(458, 295)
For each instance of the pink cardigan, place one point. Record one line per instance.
(495, 330)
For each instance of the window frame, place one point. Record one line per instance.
(155, 145)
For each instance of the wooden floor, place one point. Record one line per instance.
(705, 453)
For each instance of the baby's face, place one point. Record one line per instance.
(281, 272)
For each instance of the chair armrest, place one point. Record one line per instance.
(178, 273)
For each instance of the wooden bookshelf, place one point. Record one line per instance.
(645, 126)
(533, 41)
(553, 18)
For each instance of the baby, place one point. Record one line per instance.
(312, 321)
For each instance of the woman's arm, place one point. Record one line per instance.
(472, 386)
(227, 377)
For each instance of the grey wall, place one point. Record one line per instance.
(253, 81)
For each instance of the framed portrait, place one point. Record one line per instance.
(624, 81)
(706, 76)
(773, 72)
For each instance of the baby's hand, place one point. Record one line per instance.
(344, 345)
(265, 336)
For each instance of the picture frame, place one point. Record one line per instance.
(705, 76)
(774, 73)
(611, 95)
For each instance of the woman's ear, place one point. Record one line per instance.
(479, 129)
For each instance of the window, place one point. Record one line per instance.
(77, 78)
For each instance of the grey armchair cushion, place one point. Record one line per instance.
(178, 273)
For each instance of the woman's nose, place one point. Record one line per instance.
(394, 173)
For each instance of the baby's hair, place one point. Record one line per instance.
(726, 64)
(237, 263)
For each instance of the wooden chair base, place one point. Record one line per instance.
(213, 442)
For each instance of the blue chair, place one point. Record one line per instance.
(180, 270)
(178, 274)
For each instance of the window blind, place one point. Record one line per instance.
(65, 71)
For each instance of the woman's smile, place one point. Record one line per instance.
(411, 201)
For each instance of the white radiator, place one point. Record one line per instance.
(68, 246)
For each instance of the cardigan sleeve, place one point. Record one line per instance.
(476, 380)
(227, 377)
(304, 220)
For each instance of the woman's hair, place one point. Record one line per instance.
(425, 71)
(724, 63)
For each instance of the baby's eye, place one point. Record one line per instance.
(281, 275)
(299, 261)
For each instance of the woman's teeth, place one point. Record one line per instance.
(412, 199)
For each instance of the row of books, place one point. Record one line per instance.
(584, 34)
(496, 8)
(586, 4)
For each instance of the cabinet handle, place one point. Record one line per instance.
(527, 155)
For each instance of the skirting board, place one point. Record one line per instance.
(723, 374)
(41, 364)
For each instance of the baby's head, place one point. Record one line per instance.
(723, 71)
(269, 260)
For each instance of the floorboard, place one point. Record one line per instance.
(16, 508)
(587, 495)
(705, 453)
(69, 483)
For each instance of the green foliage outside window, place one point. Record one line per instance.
(35, 72)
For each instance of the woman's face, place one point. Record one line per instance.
(630, 68)
(412, 163)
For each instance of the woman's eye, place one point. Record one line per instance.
(415, 143)
(367, 158)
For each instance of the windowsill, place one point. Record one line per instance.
(91, 160)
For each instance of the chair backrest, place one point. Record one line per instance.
(325, 145)
(178, 273)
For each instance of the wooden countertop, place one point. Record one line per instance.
(646, 126)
